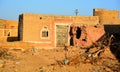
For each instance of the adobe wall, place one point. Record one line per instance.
(85, 20)
(63, 19)
(8, 30)
(86, 35)
(32, 25)
(107, 16)
(2, 26)
(78, 20)
(2, 23)
(92, 27)
(32, 29)
(13, 26)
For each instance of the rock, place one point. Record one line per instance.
(96, 70)
(71, 63)
(18, 49)
(16, 70)
(8, 63)
(108, 54)
(17, 62)
(92, 50)
(83, 58)
(1, 63)
(108, 69)
(88, 61)
(34, 50)
(66, 61)
(41, 70)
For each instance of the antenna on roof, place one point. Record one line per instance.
(76, 12)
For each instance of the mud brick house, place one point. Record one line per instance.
(56, 31)
(8, 30)
(52, 30)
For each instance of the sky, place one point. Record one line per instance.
(11, 9)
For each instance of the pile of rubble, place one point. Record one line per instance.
(103, 53)
(7, 57)
(102, 56)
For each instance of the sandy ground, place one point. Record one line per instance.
(41, 60)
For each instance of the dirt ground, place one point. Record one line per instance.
(70, 59)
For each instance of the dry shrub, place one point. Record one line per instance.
(5, 54)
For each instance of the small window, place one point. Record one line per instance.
(44, 33)
(6, 33)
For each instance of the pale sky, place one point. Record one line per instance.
(10, 9)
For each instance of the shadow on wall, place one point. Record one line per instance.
(114, 32)
(12, 39)
(71, 36)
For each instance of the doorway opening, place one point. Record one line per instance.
(78, 32)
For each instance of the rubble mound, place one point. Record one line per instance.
(102, 56)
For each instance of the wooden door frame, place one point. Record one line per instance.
(64, 24)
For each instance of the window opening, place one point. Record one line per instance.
(45, 32)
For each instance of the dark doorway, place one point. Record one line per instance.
(71, 41)
(78, 32)
(71, 36)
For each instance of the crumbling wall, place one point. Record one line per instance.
(87, 35)
(84, 30)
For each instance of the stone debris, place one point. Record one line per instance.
(98, 55)
(102, 56)
(1, 63)
(66, 61)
